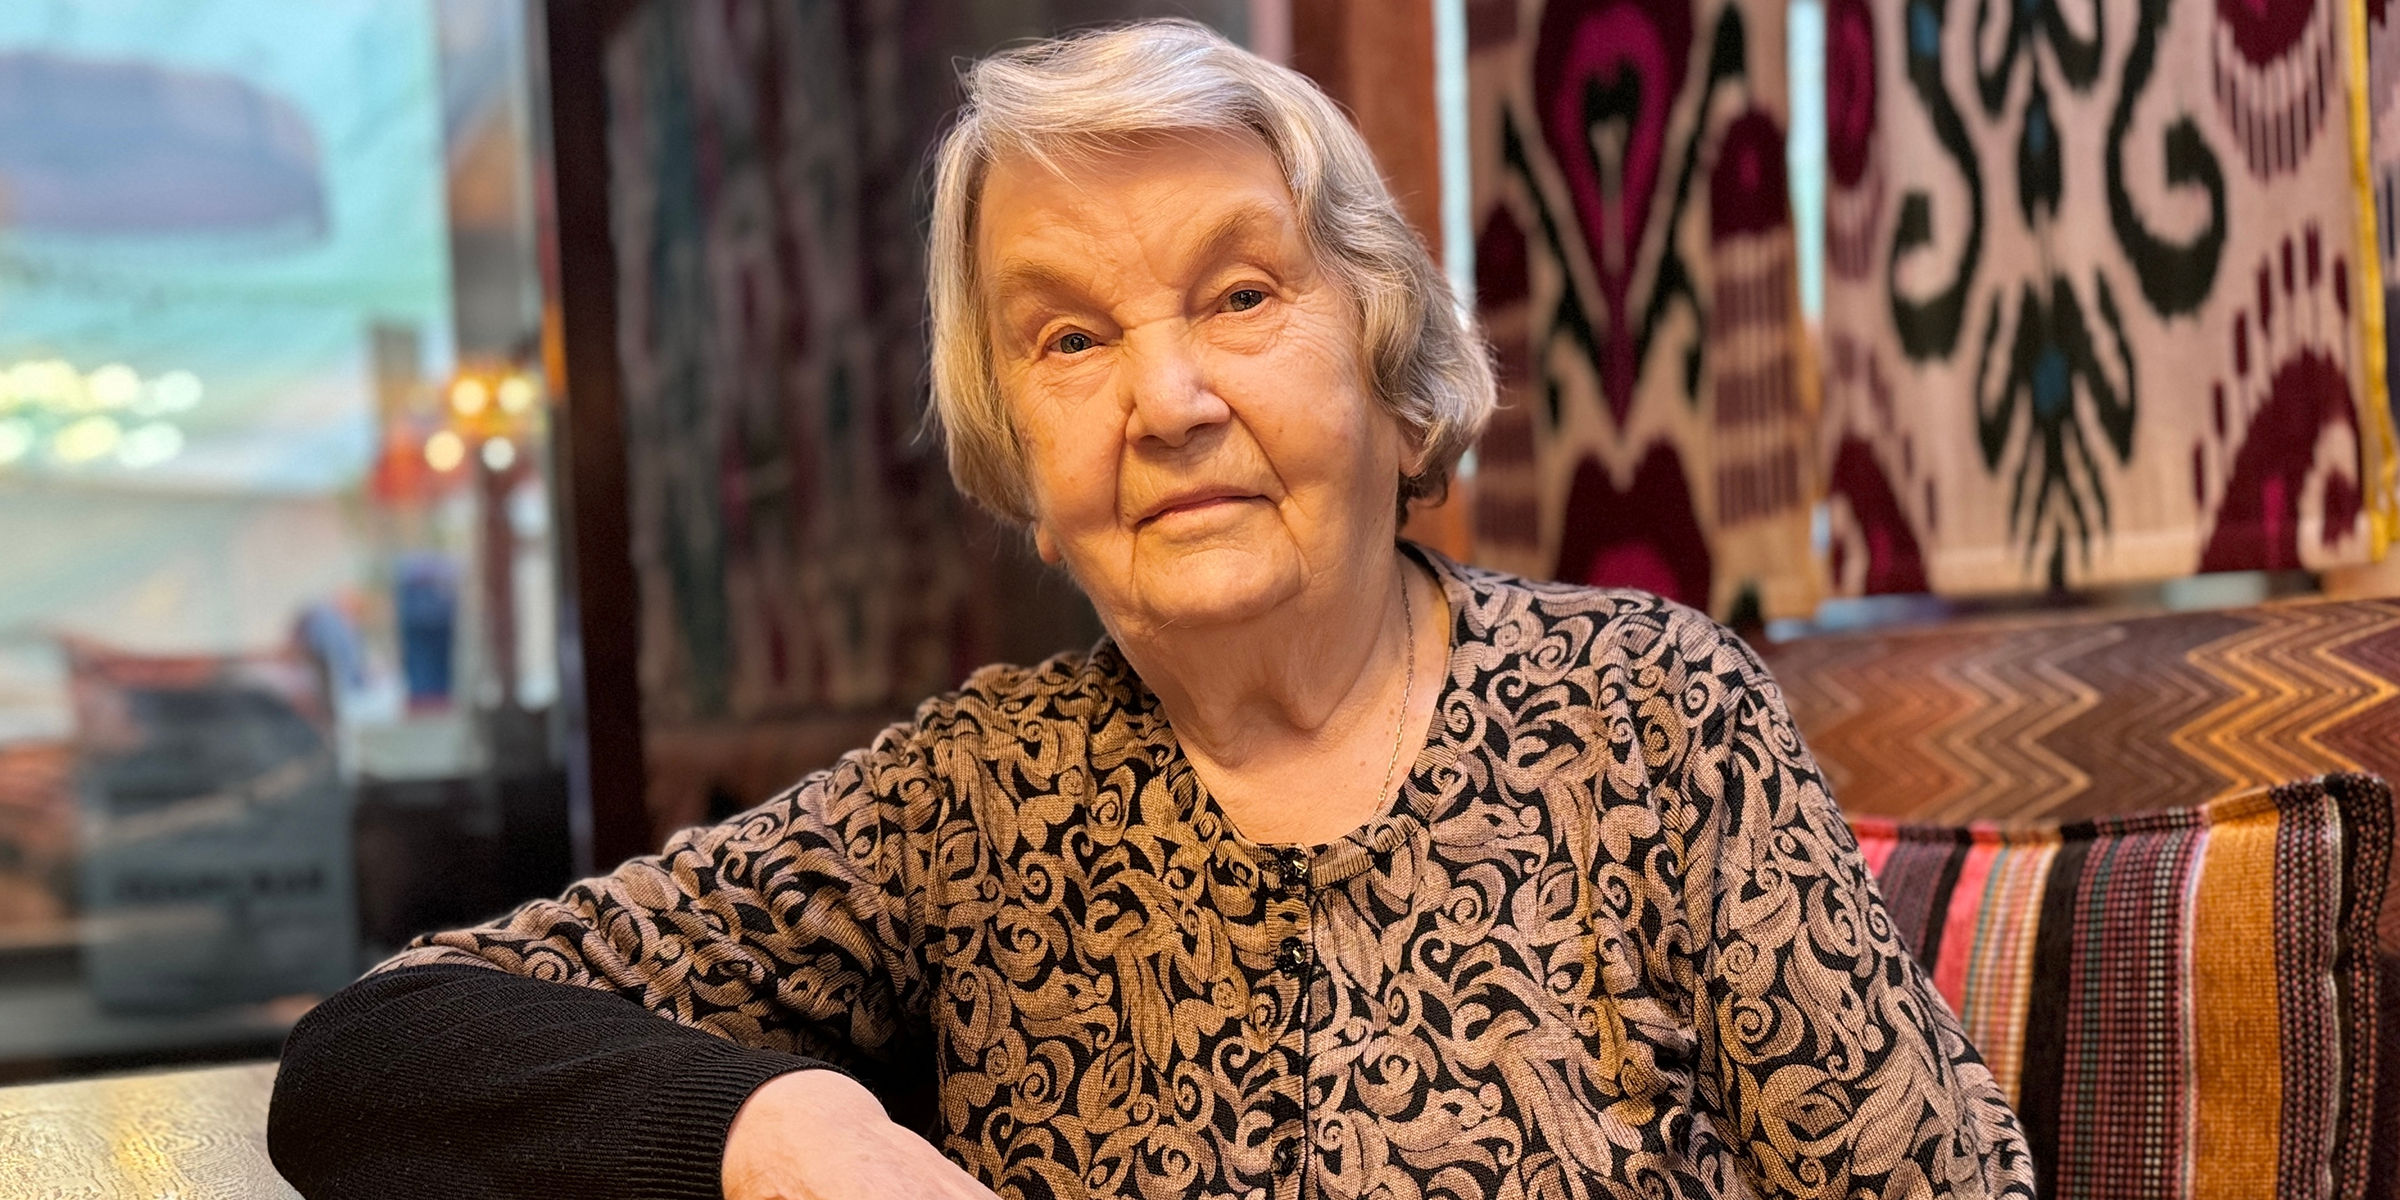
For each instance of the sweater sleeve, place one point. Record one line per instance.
(1827, 1057)
(599, 1044)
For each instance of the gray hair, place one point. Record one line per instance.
(1426, 362)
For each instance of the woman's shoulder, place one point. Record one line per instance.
(1075, 687)
(1574, 626)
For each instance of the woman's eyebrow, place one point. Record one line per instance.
(1019, 277)
(1231, 232)
(1235, 229)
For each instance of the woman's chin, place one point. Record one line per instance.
(1215, 584)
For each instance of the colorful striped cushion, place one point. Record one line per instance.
(2180, 1003)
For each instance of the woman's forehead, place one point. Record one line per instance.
(1192, 193)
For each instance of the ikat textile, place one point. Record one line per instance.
(2178, 1003)
(1635, 272)
(774, 498)
(2102, 300)
(2383, 104)
(798, 547)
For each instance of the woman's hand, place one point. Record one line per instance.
(821, 1135)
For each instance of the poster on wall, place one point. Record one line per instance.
(2102, 298)
(1635, 270)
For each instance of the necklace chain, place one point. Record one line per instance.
(1408, 684)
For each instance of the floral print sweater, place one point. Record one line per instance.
(1611, 938)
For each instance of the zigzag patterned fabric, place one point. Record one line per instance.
(2182, 1003)
(2067, 716)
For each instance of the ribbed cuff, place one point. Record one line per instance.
(677, 1149)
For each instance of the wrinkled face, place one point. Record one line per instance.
(1186, 381)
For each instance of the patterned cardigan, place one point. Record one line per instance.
(1611, 939)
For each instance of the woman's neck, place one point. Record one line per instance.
(1292, 716)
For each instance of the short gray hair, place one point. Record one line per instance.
(1426, 362)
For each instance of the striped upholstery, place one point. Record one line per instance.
(2181, 1003)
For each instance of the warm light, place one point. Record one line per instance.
(85, 440)
(444, 451)
(149, 445)
(499, 454)
(16, 437)
(516, 395)
(469, 397)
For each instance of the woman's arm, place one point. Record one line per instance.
(1827, 1057)
(600, 1044)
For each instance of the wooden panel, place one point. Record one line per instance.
(1375, 58)
(582, 337)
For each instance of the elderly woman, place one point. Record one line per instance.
(1335, 869)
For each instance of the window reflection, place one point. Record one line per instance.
(277, 581)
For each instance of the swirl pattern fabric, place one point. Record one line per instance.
(1611, 939)
(2187, 1003)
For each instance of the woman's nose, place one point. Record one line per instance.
(1169, 397)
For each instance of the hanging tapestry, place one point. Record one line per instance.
(2102, 302)
(1635, 272)
(2383, 104)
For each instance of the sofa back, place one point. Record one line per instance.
(2064, 716)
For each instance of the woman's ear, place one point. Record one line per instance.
(1416, 449)
(1046, 545)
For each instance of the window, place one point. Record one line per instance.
(278, 614)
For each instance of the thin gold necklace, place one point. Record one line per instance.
(1408, 685)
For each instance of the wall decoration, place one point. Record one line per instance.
(2102, 302)
(1635, 271)
(807, 572)
(796, 547)
(2383, 105)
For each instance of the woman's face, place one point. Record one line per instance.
(1187, 383)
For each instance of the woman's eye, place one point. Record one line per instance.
(1245, 299)
(1075, 343)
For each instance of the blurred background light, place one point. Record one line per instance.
(470, 396)
(444, 451)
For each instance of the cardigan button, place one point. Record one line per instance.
(1287, 1155)
(1292, 866)
(1292, 955)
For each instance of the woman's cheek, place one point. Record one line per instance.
(1073, 460)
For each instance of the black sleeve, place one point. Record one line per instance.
(468, 1083)
(598, 1044)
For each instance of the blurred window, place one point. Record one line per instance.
(278, 600)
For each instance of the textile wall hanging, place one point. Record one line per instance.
(2383, 103)
(1635, 271)
(2102, 299)
(761, 430)
(800, 550)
